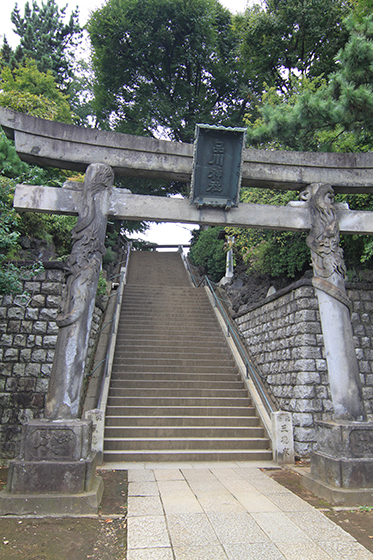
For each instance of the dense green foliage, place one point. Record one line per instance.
(207, 252)
(10, 274)
(329, 115)
(165, 65)
(271, 252)
(45, 38)
(8, 238)
(332, 113)
(288, 39)
(10, 164)
(27, 90)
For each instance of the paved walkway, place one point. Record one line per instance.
(221, 511)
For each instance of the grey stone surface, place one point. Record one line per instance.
(139, 506)
(161, 553)
(254, 551)
(344, 456)
(24, 382)
(142, 489)
(55, 464)
(293, 530)
(313, 400)
(147, 532)
(75, 319)
(86, 503)
(41, 143)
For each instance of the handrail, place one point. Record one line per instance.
(112, 338)
(189, 267)
(232, 331)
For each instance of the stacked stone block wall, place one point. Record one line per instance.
(284, 337)
(28, 336)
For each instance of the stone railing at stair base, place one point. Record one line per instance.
(284, 336)
(97, 415)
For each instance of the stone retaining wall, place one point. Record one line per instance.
(284, 337)
(28, 335)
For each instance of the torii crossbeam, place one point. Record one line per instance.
(72, 147)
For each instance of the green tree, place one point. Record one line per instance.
(270, 252)
(27, 90)
(207, 252)
(8, 238)
(336, 116)
(45, 38)
(288, 39)
(164, 65)
(329, 114)
(30, 91)
(10, 164)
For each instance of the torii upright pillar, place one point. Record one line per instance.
(343, 461)
(55, 472)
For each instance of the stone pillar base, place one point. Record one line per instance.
(342, 465)
(55, 472)
(41, 505)
(338, 496)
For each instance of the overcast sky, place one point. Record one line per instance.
(158, 233)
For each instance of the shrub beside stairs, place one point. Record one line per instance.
(175, 392)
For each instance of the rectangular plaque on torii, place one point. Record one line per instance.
(217, 166)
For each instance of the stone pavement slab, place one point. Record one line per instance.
(226, 511)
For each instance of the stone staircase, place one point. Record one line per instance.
(175, 392)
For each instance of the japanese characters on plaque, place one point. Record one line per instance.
(217, 166)
(216, 170)
(282, 426)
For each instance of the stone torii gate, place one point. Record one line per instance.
(343, 458)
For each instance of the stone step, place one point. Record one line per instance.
(172, 313)
(178, 392)
(191, 310)
(153, 269)
(167, 332)
(172, 342)
(187, 455)
(175, 385)
(131, 353)
(169, 325)
(145, 302)
(176, 401)
(172, 336)
(182, 421)
(161, 288)
(183, 432)
(168, 293)
(175, 391)
(168, 411)
(118, 366)
(176, 377)
(148, 346)
(184, 361)
(126, 444)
